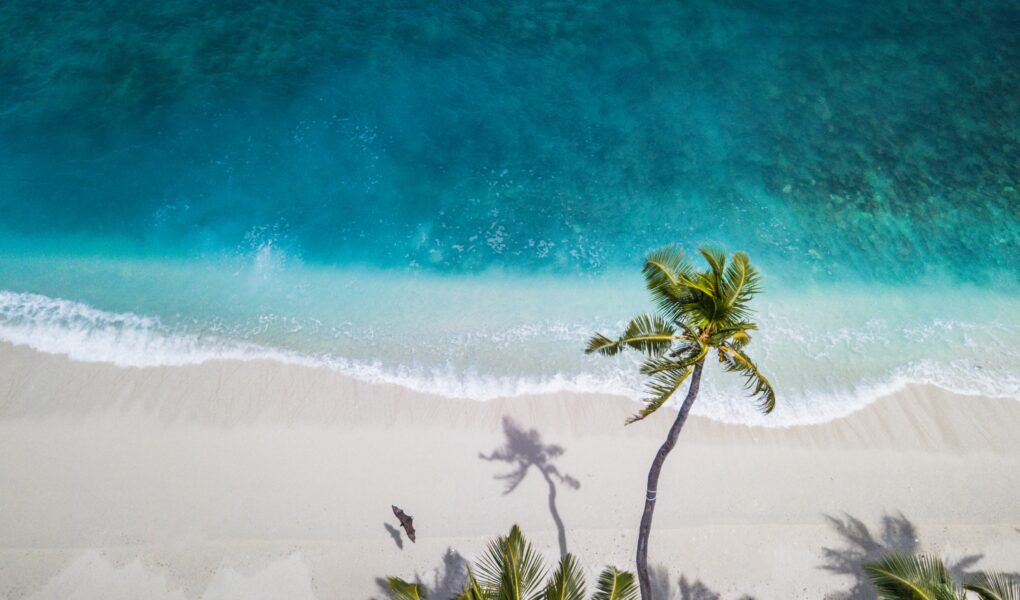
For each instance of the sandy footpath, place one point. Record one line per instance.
(262, 480)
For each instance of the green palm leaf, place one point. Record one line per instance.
(403, 590)
(615, 585)
(735, 361)
(686, 356)
(650, 334)
(903, 577)
(665, 271)
(490, 566)
(688, 331)
(603, 345)
(703, 290)
(664, 267)
(995, 586)
(512, 568)
(473, 591)
(660, 388)
(740, 283)
(567, 583)
(717, 260)
(721, 335)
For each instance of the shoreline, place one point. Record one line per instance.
(268, 480)
(236, 382)
(852, 361)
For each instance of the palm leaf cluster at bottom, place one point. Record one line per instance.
(511, 569)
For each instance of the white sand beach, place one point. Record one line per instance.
(261, 480)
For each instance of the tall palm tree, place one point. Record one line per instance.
(923, 577)
(512, 570)
(698, 312)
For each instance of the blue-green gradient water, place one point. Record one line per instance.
(452, 196)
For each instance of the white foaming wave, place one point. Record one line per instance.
(728, 404)
(87, 334)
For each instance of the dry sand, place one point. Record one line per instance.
(261, 480)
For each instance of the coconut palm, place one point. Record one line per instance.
(512, 570)
(698, 312)
(924, 577)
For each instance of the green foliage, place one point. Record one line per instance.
(697, 311)
(615, 585)
(646, 333)
(472, 590)
(567, 583)
(918, 577)
(664, 271)
(663, 384)
(924, 577)
(403, 590)
(735, 361)
(994, 586)
(512, 570)
(511, 566)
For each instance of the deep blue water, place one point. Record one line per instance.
(313, 177)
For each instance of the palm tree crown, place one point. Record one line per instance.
(698, 312)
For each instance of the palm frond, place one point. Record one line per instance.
(403, 590)
(906, 577)
(703, 306)
(735, 361)
(567, 583)
(679, 359)
(686, 328)
(717, 260)
(650, 334)
(661, 388)
(603, 345)
(490, 566)
(702, 286)
(615, 585)
(511, 566)
(740, 339)
(995, 586)
(740, 283)
(473, 591)
(665, 266)
(736, 331)
(665, 271)
(654, 365)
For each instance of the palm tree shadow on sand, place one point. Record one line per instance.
(686, 589)
(861, 546)
(447, 580)
(524, 450)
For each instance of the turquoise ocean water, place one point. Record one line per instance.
(453, 196)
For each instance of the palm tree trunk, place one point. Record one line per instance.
(653, 482)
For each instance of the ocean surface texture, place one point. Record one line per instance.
(453, 196)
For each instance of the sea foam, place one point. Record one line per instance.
(812, 389)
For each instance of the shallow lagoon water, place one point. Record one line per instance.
(454, 197)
